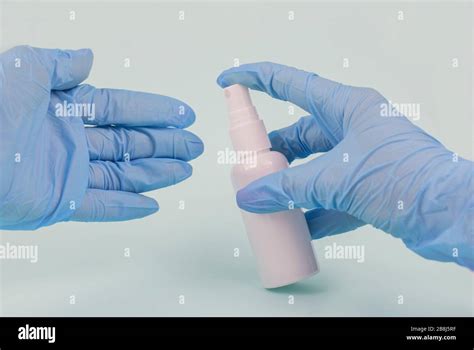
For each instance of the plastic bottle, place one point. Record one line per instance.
(280, 241)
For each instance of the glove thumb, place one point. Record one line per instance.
(310, 185)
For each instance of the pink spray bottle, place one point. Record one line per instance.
(280, 241)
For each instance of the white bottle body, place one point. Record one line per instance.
(281, 242)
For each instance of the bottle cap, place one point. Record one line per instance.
(247, 130)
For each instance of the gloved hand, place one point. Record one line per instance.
(378, 170)
(55, 169)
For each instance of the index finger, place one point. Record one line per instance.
(125, 107)
(323, 98)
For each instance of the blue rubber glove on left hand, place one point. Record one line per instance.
(54, 169)
(376, 169)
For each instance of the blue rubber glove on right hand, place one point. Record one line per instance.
(383, 171)
(55, 169)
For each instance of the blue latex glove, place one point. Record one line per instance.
(55, 169)
(383, 171)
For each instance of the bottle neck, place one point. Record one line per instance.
(250, 135)
(243, 116)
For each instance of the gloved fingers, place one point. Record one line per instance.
(140, 175)
(300, 139)
(101, 205)
(121, 143)
(310, 185)
(322, 98)
(125, 107)
(65, 68)
(322, 222)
